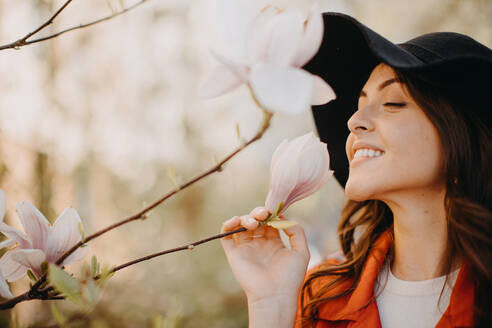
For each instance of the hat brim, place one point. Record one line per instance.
(348, 54)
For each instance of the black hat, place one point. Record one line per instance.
(349, 52)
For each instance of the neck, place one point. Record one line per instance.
(420, 231)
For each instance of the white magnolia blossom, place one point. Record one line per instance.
(4, 287)
(267, 53)
(299, 168)
(42, 242)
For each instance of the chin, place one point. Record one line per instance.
(358, 193)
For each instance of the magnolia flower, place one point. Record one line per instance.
(276, 43)
(4, 287)
(298, 169)
(42, 242)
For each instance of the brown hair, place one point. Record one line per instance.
(466, 141)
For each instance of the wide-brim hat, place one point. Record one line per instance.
(456, 64)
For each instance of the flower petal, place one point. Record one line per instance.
(2, 205)
(291, 150)
(283, 180)
(240, 69)
(284, 172)
(232, 21)
(304, 160)
(277, 154)
(259, 35)
(4, 288)
(219, 82)
(313, 174)
(7, 243)
(285, 37)
(35, 224)
(316, 182)
(322, 91)
(279, 193)
(64, 235)
(11, 270)
(311, 37)
(16, 235)
(282, 89)
(30, 258)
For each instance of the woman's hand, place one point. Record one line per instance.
(262, 265)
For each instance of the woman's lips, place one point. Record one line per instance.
(361, 159)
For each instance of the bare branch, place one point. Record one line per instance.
(34, 293)
(141, 214)
(172, 250)
(48, 22)
(24, 41)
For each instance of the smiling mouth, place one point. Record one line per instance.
(363, 158)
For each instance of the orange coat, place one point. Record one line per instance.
(349, 311)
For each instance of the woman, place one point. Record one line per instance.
(415, 231)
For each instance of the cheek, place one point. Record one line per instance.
(418, 155)
(348, 145)
(432, 153)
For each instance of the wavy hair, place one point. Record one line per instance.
(466, 140)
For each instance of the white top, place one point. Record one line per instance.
(413, 304)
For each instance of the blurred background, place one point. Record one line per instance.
(94, 119)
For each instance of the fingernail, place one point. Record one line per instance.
(251, 220)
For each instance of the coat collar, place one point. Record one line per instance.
(359, 306)
(460, 310)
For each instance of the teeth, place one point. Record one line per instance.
(367, 152)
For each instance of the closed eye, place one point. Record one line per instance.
(394, 104)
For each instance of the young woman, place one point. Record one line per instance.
(416, 230)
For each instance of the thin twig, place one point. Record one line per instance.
(124, 265)
(181, 248)
(141, 214)
(24, 40)
(32, 293)
(172, 250)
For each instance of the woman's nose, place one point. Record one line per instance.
(359, 121)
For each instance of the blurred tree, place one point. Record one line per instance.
(44, 189)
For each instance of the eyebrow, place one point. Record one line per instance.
(381, 86)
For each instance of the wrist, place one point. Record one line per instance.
(276, 311)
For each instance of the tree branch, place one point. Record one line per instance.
(33, 292)
(172, 250)
(44, 294)
(141, 214)
(24, 40)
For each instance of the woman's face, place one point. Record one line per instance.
(389, 120)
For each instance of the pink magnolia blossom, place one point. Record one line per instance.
(267, 53)
(4, 287)
(42, 241)
(298, 169)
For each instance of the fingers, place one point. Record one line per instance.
(246, 221)
(249, 222)
(297, 239)
(260, 213)
(252, 223)
(233, 223)
(230, 224)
